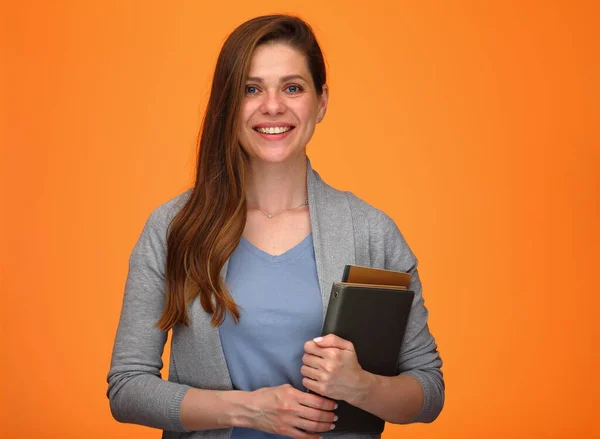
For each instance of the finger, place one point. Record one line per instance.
(314, 386)
(316, 415)
(313, 361)
(312, 373)
(333, 341)
(310, 347)
(313, 426)
(326, 355)
(317, 402)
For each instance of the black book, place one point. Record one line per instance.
(372, 315)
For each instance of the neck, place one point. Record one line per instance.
(276, 187)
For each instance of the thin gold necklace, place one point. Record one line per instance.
(272, 215)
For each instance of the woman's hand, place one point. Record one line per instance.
(331, 369)
(284, 410)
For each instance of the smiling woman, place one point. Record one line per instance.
(240, 269)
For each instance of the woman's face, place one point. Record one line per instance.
(280, 107)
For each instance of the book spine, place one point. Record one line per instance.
(333, 310)
(346, 273)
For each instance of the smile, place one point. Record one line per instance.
(274, 134)
(273, 130)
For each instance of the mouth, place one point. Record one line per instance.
(273, 131)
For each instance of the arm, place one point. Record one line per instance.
(139, 395)
(281, 410)
(396, 399)
(331, 368)
(416, 394)
(136, 391)
(419, 358)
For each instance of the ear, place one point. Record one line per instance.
(323, 100)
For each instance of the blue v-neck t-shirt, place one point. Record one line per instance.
(280, 309)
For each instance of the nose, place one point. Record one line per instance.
(272, 103)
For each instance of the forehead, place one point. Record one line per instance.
(274, 60)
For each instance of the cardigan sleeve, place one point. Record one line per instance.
(418, 357)
(136, 391)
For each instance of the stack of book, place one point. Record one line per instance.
(369, 308)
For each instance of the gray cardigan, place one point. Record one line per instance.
(346, 230)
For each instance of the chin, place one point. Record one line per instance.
(273, 159)
(275, 155)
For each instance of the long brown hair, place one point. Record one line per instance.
(207, 229)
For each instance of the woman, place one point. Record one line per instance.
(241, 266)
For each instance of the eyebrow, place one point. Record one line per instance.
(284, 79)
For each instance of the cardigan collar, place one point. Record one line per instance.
(333, 232)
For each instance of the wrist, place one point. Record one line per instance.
(212, 409)
(241, 405)
(365, 383)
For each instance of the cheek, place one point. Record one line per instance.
(308, 111)
(309, 115)
(244, 127)
(246, 112)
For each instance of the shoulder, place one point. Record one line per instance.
(153, 238)
(385, 238)
(163, 214)
(166, 211)
(387, 246)
(376, 219)
(364, 215)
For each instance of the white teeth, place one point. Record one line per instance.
(273, 130)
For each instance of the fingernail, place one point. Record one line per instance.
(318, 339)
(335, 419)
(336, 406)
(332, 426)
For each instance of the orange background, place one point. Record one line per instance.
(473, 124)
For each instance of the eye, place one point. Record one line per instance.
(294, 89)
(250, 89)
